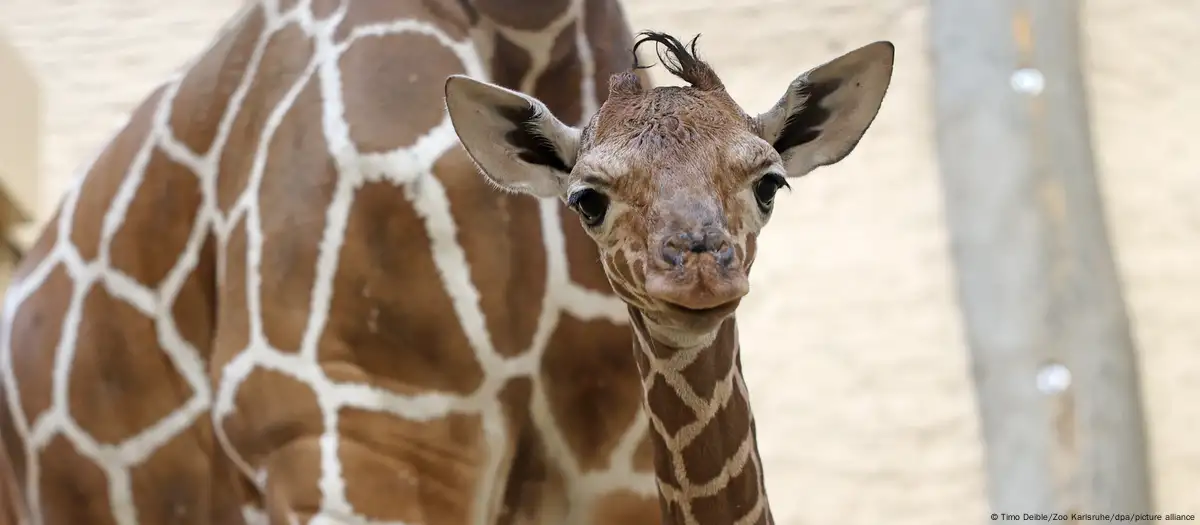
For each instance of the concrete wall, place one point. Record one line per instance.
(854, 348)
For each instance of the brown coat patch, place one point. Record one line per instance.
(415, 472)
(121, 381)
(586, 373)
(396, 326)
(73, 489)
(150, 217)
(285, 58)
(625, 507)
(292, 483)
(35, 346)
(665, 403)
(509, 63)
(386, 119)
(175, 484)
(274, 411)
(583, 256)
(292, 210)
(276, 428)
(204, 93)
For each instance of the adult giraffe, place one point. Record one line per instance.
(282, 294)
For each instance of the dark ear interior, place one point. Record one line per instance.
(528, 140)
(804, 125)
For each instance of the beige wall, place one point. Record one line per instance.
(96, 59)
(1146, 114)
(854, 349)
(19, 125)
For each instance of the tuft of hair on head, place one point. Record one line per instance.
(680, 60)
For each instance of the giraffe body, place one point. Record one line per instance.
(282, 294)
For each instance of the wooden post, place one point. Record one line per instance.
(1053, 362)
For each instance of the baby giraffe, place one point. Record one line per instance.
(674, 184)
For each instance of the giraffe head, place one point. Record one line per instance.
(673, 183)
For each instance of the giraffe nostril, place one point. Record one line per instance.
(678, 247)
(724, 254)
(672, 254)
(675, 248)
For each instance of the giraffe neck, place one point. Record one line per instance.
(560, 51)
(705, 447)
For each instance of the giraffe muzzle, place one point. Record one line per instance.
(698, 272)
(705, 286)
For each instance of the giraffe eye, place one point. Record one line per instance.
(765, 189)
(590, 204)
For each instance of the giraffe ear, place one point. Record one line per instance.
(826, 110)
(513, 138)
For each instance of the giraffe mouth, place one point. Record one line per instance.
(719, 310)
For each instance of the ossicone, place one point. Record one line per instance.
(625, 83)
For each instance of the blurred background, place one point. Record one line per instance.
(855, 345)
